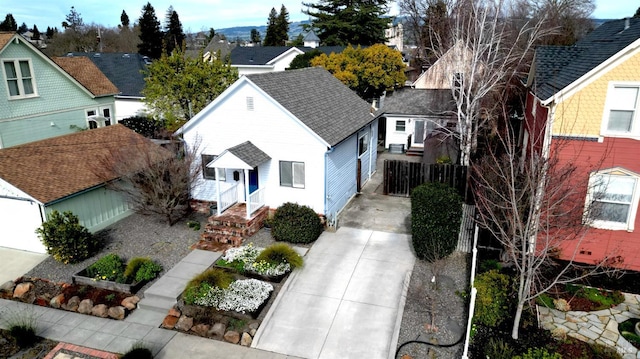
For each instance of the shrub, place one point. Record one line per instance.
(545, 300)
(280, 253)
(140, 269)
(436, 211)
(109, 267)
(295, 224)
(538, 353)
(492, 299)
(146, 126)
(138, 351)
(498, 348)
(66, 240)
(21, 326)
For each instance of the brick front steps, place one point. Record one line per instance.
(230, 228)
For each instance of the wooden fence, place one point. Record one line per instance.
(401, 177)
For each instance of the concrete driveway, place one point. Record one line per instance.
(346, 302)
(15, 263)
(348, 299)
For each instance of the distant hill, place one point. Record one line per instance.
(244, 32)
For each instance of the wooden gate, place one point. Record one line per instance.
(401, 177)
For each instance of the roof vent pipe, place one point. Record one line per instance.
(626, 23)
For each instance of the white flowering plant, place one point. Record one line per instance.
(246, 259)
(246, 295)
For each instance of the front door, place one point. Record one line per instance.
(418, 134)
(253, 180)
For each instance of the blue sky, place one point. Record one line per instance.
(197, 15)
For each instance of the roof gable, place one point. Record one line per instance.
(557, 68)
(87, 74)
(57, 167)
(256, 55)
(319, 100)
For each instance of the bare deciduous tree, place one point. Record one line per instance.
(155, 180)
(533, 206)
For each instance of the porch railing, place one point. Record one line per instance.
(256, 200)
(228, 197)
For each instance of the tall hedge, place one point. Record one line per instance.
(436, 211)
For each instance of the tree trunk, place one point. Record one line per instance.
(516, 320)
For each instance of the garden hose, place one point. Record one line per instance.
(427, 343)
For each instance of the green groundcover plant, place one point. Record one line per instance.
(111, 267)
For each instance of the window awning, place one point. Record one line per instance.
(244, 156)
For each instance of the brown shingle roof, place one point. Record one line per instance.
(87, 73)
(5, 37)
(57, 167)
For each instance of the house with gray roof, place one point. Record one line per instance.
(127, 72)
(291, 136)
(410, 117)
(260, 59)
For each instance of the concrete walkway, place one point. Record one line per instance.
(600, 327)
(346, 302)
(15, 263)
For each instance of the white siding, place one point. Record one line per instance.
(278, 134)
(125, 108)
(399, 137)
(19, 219)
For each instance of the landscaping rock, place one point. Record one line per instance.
(245, 341)
(85, 306)
(72, 304)
(7, 287)
(56, 302)
(252, 332)
(100, 310)
(169, 322)
(217, 330)
(254, 325)
(22, 290)
(117, 312)
(174, 312)
(201, 329)
(184, 323)
(232, 337)
(130, 302)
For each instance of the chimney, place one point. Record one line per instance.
(626, 23)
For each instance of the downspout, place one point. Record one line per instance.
(371, 149)
(218, 204)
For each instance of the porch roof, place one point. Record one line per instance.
(245, 156)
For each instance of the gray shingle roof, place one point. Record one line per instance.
(409, 101)
(319, 100)
(559, 66)
(311, 36)
(256, 55)
(125, 70)
(249, 153)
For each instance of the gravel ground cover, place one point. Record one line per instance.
(436, 312)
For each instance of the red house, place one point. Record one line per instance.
(584, 107)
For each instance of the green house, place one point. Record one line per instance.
(42, 97)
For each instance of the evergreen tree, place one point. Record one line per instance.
(50, 32)
(23, 28)
(637, 14)
(9, 23)
(343, 22)
(150, 34)
(73, 20)
(270, 36)
(282, 26)
(173, 35)
(124, 20)
(36, 33)
(255, 36)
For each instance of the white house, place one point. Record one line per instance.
(292, 136)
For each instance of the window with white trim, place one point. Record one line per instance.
(401, 125)
(621, 114)
(209, 172)
(363, 143)
(98, 117)
(292, 174)
(613, 199)
(19, 78)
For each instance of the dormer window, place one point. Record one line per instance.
(19, 78)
